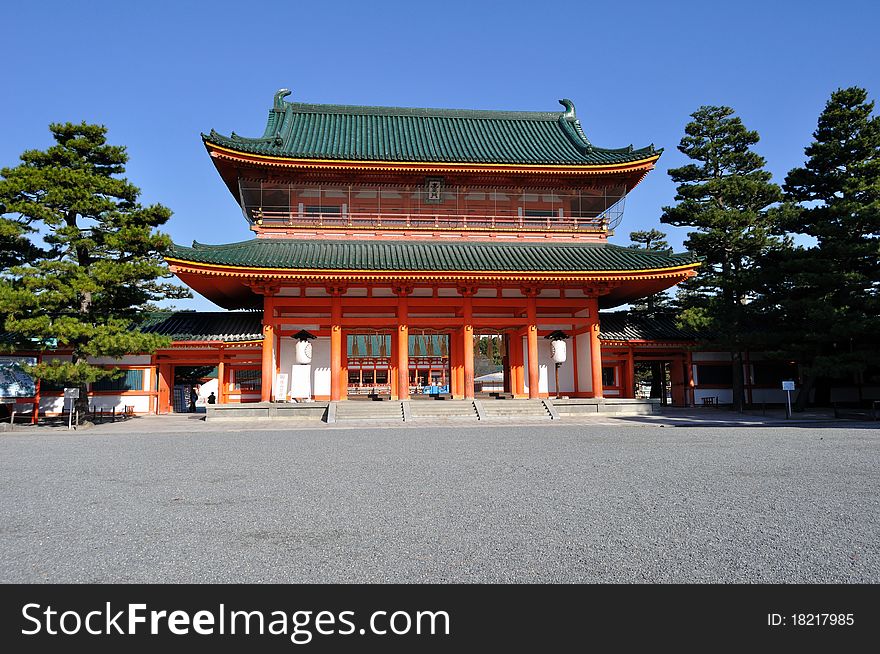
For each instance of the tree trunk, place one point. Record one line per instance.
(803, 396)
(657, 381)
(81, 404)
(738, 381)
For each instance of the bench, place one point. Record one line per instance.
(710, 401)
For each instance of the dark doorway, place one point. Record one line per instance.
(192, 385)
(653, 381)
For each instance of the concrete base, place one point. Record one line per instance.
(332, 412)
(312, 411)
(618, 406)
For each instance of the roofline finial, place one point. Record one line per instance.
(279, 98)
(569, 109)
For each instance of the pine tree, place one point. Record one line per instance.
(725, 195)
(102, 263)
(652, 239)
(825, 298)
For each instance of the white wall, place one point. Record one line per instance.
(141, 403)
(585, 370)
(321, 366)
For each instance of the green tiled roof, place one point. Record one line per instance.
(225, 326)
(429, 256)
(325, 131)
(629, 326)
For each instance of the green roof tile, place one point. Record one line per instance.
(629, 326)
(318, 131)
(224, 326)
(429, 256)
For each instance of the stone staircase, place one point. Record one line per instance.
(353, 411)
(443, 410)
(516, 409)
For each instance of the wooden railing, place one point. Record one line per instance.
(278, 219)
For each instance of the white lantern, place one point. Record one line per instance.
(557, 351)
(303, 352)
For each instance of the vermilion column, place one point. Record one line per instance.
(221, 381)
(595, 349)
(165, 382)
(532, 337)
(403, 344)
(393, 372)
(468, 343)
(689, 379)
(630, 372)
(335, 343)
(268, 364)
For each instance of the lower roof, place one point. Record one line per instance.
(243, 326)
(227, 274)
(634, 326)
(220, 326)
(447, 256)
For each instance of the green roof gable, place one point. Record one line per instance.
(429, 256)
(341, 132)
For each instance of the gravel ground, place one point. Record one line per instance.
(612, 502)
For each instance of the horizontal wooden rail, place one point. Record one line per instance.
(457, 221)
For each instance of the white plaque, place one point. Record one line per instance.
(280, 390)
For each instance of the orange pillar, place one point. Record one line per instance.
(532, 335)
(517, 378)
(221, 381)
(267, 365)
(630, 373)
(165, 383)
(393, 365)
(507, 364)
(335, 344)
(402, 344)
(689, 378)
(457, 365)
(595, 349)
(468, 344)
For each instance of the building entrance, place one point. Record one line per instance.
(371, 363)
(193, 386)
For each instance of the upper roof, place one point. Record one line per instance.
(436, 256)
(297, 130)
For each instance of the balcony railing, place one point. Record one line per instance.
(420, 221)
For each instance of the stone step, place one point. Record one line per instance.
(447, 409)
(516, 409)
(388, 411)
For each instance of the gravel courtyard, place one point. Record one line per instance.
(188, 502)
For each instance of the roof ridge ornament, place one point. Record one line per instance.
(572, 126)
(569, 109)
(280, 94)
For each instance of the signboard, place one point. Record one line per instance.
(71, 393)
(14, 381)
(788, 385)
(280, 390)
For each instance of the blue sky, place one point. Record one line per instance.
(159, 73)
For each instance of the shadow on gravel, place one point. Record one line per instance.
(755, 423)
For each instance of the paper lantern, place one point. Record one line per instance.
(558, 351)
(303, 352)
